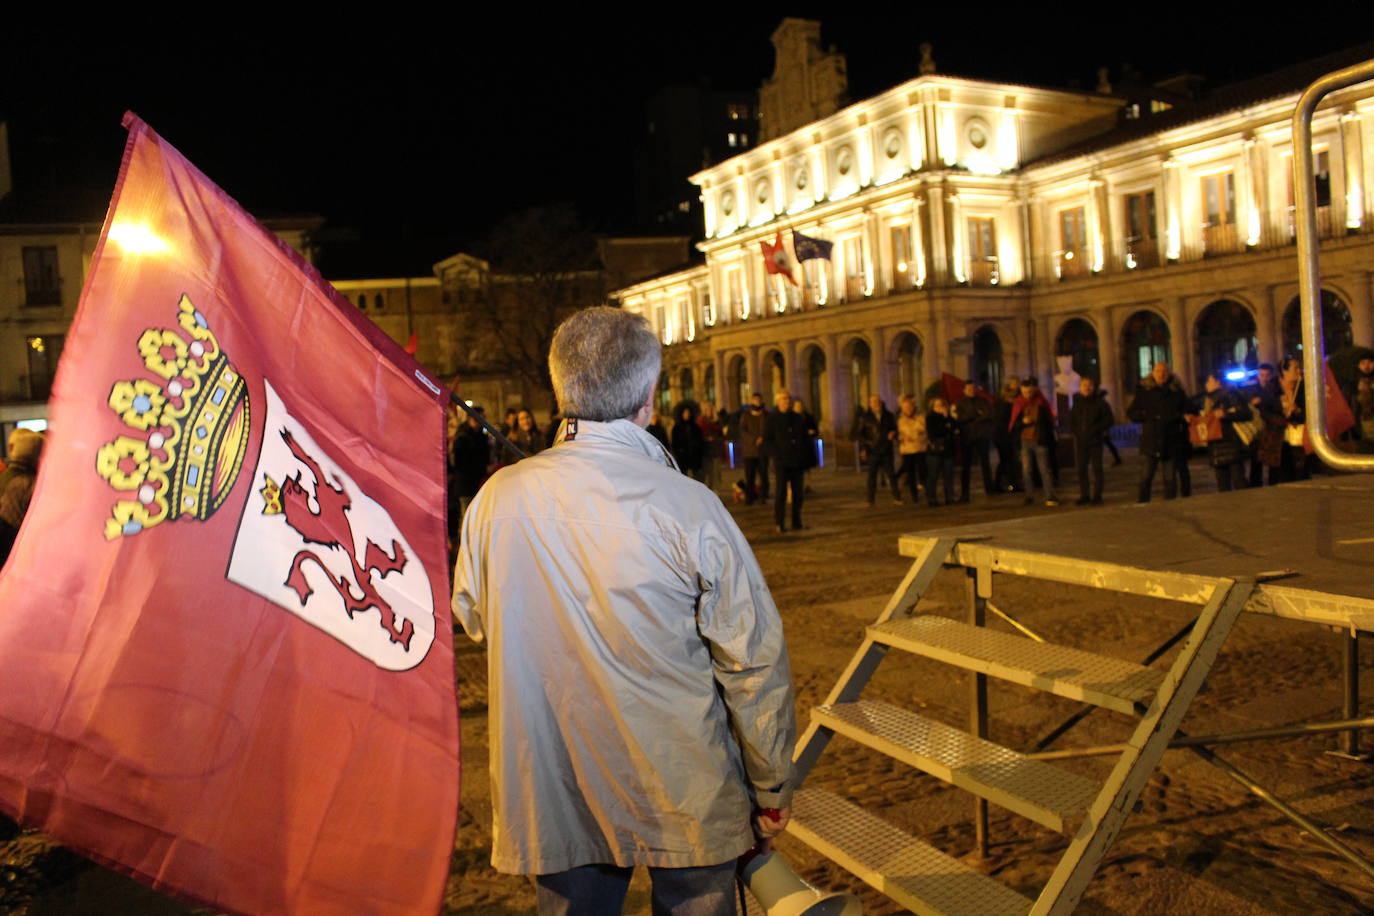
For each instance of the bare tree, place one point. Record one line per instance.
(543, 267)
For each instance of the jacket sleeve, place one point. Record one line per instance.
(740, 624)
(1135, 410)
(467, 574)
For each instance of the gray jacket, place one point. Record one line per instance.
(640, 693)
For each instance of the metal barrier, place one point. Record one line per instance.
(1309, 272)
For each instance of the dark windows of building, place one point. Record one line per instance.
(362, 301)
(737, 383)
(812, 293)
(816, 383)
(688, 387)
(1145, 340)
(42, 283)
(377, 302)
(854, 281)
(909, 369)
(1321, 194)
(664, 398)
(1224, 340)
(708, 384)
(1336, 330)
(986, 365)
(1077, 340)
(903, 273)
(1142, 247)
(982, 251)
(860, 373)
(43, 354)
(774, 376)
(1219, 212)
(1073, 242)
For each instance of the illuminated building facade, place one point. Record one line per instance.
(991, 230)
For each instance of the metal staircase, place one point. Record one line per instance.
(922, 878)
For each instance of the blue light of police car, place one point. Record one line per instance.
(1235, 375)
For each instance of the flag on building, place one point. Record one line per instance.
(228, 658)
(775, 259)
(807, 248)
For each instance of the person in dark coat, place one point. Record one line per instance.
(752, 420)
(1032, 419)
(655, 429)
(1090, 421)
(1264, 397)
(875, 429)
(786, 441)
(1226, 454)
(16, 485)
(469, 457)
(689, 443)
(941, 429)
(1160, 407)
(973, 413)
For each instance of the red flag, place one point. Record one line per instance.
(951, 388)
(412, 344)
(1339, 416)
(775, 259)
(228, 658)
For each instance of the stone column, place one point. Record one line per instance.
(792, 378)
(1107, 355)
(1181, 344)
(882, 361)
(1267, 326)
(1361, 321)
(1044, 350)
(935, 242)
(837, 375)
(751, 365)
(723, 394)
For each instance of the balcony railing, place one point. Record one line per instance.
(1073, 263)
(984, 272)
(1221, 238)
(1141, 252)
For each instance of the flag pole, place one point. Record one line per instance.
(492, 430)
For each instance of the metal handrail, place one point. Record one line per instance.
(1309, 274)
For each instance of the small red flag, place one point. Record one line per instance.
(1339, 416)
(228, 658)
(412, 344)
(775, 259)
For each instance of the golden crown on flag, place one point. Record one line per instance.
(192, 426)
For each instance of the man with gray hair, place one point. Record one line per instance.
(641, 700)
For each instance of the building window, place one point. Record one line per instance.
(42, 284)
(982, 251)
(43, 354)
(813, 290)
(1142, 248)
(734, 288)
(661, 322)
(854, 268)
(1219, 212)
(903, 273)
(377, 302)
(362, 301)
(1321, 194)
(1073, 242)
(708, 310)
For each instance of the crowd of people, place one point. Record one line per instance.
(1251, 435)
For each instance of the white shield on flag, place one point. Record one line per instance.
(313, 543)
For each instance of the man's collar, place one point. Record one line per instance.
(620, 432)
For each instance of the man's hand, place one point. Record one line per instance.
(768, 823)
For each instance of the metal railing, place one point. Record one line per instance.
(1309, 270)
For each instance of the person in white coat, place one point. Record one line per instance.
(641, 699)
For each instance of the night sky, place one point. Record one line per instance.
(429, 128)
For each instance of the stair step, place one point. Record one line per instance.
(916, 875)
(1040, 791)
(1098, 679)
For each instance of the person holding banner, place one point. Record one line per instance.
(641, 695)
(1217, 410)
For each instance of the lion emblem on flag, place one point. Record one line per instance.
(313, 542)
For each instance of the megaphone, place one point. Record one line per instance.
(782, 892)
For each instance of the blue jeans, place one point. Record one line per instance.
(599, 890)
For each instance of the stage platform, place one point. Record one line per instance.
(1321, 531)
